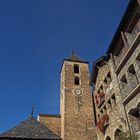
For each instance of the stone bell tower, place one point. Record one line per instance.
(76, 107)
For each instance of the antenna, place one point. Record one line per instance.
(72, 52)
(32, 110)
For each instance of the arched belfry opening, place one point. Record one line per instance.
(76, 68)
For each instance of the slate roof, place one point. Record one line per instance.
(75, 58)
(30, 129)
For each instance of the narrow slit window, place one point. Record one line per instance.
(105, 107)
(109, 105)
(76, 80)
(101, 111)
(76, 68)
(101, 87)
(108, 78)
(113, 98)
(105, 81)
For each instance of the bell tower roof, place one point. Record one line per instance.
(73, 57)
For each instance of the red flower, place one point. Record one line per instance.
(102, 95)
(101, 123)
(105, 118)
(97, 101)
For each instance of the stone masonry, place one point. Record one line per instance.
(53, 122)
(108, 101)
(116, 79)
(115, 106)
(76, 110)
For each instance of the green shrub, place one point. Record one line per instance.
(126, 136)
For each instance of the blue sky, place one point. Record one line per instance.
(35, 37)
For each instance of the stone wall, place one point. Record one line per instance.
(116, 113)
(131, 91)
(52, 122)
(77, 110)
(132, 79)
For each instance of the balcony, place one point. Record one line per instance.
(130, 51)
(103, 123)
(109, 89)
(132, 36)
(101, 98)
(131, 95)
(134, 117)
(119, 54)
(129, 87)
(133, 82)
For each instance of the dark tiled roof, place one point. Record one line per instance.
(75, 58)
(30, 129)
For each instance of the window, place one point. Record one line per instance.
(123, 79)
(131, 69)
(101, 88)
(113, 100)
(117, 134)
(109, 106)
(105, 85)
(76, 80)
(134, 117)
(136, 114)
(108, 78)
(108, 138)
(105, 107)
(138, 57)
(76, 68)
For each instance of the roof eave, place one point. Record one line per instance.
(121, 26)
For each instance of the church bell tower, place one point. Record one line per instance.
(76, 107)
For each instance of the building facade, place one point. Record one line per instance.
(76, 105)
(110, 113)
(114, 105)
(116, 79)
